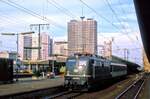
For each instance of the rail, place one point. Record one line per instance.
(64, 95)
(132, 91)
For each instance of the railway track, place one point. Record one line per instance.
(94, 94)
(132, 91)
(64, 95)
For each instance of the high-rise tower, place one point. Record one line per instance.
(82, 36)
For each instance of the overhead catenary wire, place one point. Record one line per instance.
(126, 18)
(61, 8)
(111, 38)
(104, 18)
(30, 12)
(129, 49)
(3, 0)
(22, 9)
(98, 14)
(119, 20)
(64, 8)
(11, 19)
(101, 17)
(6, 21)
(108, 21)
(123, 11)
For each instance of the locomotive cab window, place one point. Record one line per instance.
(82, 63)
(71, 63)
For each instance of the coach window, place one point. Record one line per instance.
(111, 69)
(102, 64)
(106, 64)
(97, 63)
(92, 61)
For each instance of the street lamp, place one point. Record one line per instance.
(17, 34)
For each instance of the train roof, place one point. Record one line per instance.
(89, 56)
(129, 63)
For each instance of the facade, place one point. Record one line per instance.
(25, 44)
(34, 55)
(82, 36)
(28, 47)
(105, 49)
(108, 49)
(60, 48)
(46, 47)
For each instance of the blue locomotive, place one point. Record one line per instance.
(83, 71)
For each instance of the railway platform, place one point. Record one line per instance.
(29, 85)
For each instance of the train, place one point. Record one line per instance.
(83, 71)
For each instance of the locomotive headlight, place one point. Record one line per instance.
(84, 75)
(80, 67)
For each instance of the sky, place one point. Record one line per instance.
(115, 18)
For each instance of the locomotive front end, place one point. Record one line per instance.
(76, 74)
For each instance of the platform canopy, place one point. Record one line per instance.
(143, 14)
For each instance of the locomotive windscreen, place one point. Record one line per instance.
(71, 63)
(76, 66)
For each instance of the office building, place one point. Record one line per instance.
(28, 47)
(24, 46)
(60, 48)
(82, 36)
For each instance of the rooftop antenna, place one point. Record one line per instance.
(82, 17)
(83, 39)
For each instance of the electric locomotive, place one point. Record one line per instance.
(83, 70)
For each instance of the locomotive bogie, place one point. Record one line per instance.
(76, 82)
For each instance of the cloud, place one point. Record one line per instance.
(43, 8)
(121, 42)
(14, 20)
(121, 39)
